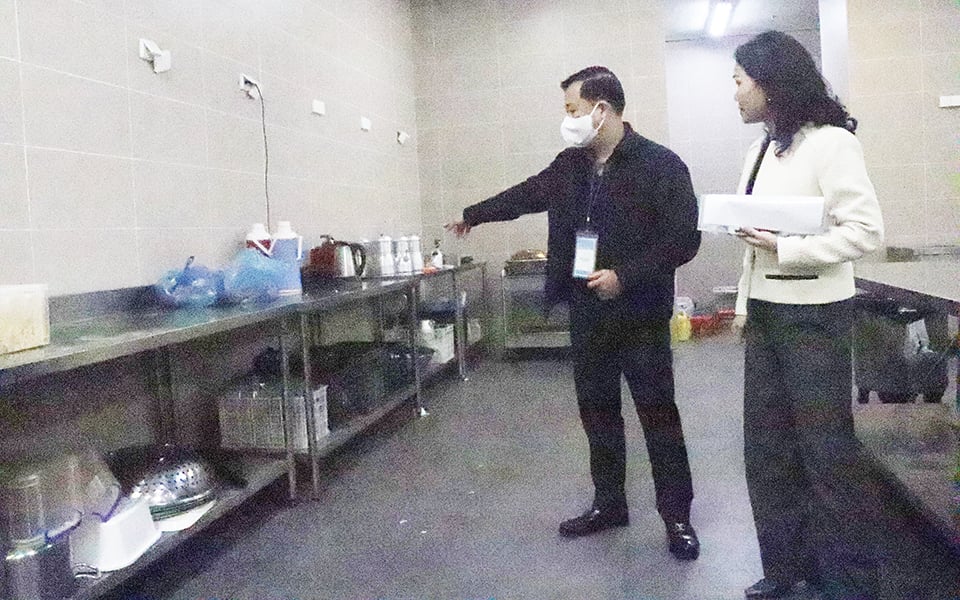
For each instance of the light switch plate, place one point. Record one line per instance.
(162, 62)
(144, 51)
(319, 107)
(365, 124)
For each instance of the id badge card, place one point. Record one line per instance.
(585, 257)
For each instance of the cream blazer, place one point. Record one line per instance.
(822, 161)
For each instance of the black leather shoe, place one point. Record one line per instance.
(768, 588)
(594, 520)
(683, 541)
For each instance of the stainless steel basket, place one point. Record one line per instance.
(535, 266)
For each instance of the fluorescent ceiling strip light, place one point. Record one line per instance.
(721, 18)
(700, 15)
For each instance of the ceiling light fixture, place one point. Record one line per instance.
(699, 15)
(720, 18)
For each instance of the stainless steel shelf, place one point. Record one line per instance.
(524, 325)
(80, 343)
(84, 342)
(434, 370)
(915, 447)
(340, 437)
(337, 438)
(447, 270)
(82, 338)
(258, 471)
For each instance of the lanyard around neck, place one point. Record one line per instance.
(596, 179)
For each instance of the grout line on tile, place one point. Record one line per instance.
(23, 132)
(16, 27)
(133, 178)
(129, 90)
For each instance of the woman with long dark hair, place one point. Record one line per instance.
(795, 310)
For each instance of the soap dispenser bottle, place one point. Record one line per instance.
(436, 257)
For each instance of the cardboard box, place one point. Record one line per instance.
(24, 317)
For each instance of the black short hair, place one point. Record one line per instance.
(795, 89)
(599, 83)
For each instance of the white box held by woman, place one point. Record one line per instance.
(725, 213)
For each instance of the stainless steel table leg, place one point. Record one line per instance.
(411, 296)
(459, 338)
(285, 412)
(306, 332)
(955, 346)
(161, 380)
(503, 311)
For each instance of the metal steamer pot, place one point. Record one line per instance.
(36, 562)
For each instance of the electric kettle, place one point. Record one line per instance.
(334, 258)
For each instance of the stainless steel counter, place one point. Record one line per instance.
(96, 339)
(917, 446)
(936, 282)
(101, 326)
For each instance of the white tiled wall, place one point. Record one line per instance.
(903, 56)
(111, 174)
(489, 103)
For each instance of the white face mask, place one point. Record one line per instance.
(579, 131)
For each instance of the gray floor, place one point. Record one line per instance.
(464, 504)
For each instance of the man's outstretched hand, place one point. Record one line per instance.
(460, 228)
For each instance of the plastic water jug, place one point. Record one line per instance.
(259, 238)
(287, 248)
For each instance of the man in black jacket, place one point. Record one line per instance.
(622, 217)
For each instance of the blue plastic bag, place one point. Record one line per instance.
(193, 285)
(253, 277)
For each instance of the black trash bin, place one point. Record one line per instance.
(891, 353)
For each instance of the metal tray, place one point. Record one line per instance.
(525, 267)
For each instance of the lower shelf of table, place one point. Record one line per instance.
(257, 471)
(340, 436)
(539, 339)
(915, 446)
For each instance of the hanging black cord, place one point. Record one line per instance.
(266, 155)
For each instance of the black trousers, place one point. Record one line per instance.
(606, 346)
(807, 479)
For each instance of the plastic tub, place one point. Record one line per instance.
(118, 541)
